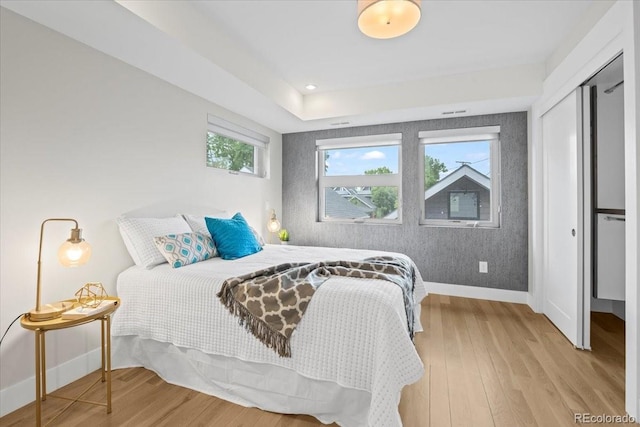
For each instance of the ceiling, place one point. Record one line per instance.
(319, 41)
(254, 57)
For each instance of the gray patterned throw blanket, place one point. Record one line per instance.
(270, 302)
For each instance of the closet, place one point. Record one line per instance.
(583, 186)
(607, 207)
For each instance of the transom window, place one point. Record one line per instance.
(359, 178)
(235, 148)
(461, 178)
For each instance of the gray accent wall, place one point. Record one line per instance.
(443, 254)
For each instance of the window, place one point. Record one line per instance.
(359, 178)
(464, 205)
(235, 148)
(461, 177)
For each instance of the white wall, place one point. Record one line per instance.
(86, 136)
(610, 149)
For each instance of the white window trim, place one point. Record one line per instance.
(485, 133)
(394, 180)
(360, 141)
(228, 129)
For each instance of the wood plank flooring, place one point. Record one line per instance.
(486, 364)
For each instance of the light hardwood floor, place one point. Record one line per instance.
(486, 364)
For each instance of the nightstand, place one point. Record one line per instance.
(41, 372)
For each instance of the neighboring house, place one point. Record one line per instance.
(337, 206)
(359, 196)
(392, 215)
(463, 194)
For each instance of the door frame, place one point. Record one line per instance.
(587, 216)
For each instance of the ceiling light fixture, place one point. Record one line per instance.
(386, 19)
(311, 87)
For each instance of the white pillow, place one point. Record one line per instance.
(199, 225)
(258, 236)
(138, 234)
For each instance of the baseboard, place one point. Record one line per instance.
(601, 305)
(619, 309)
(23, 393)
(533, 303)
(476, 292)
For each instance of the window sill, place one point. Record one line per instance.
(461, 224)
(359, 222)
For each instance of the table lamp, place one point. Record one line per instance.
(73, 252)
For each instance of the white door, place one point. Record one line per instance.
(563, 217)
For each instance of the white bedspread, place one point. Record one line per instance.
(353, 333)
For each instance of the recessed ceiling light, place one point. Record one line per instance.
(310, 87)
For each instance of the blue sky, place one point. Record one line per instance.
(476, 153)
(354, 161)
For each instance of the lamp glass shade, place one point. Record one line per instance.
(72, 254)
(273, 225)
(386, 19)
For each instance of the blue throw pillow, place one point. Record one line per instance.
(233, 237)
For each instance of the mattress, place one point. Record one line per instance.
(353, 334)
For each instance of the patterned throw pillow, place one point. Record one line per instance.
(184, 249)
(233, 237)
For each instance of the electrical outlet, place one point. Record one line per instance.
(483, 266)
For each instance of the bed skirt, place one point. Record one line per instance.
(264, 386)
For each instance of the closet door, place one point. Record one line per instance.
(563, 216)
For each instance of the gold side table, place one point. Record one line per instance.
(41, 371)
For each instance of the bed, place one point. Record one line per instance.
(351, 354)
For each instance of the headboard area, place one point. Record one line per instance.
(140, 228)
(168, 208)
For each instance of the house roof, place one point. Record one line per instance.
(461, 172)
(336, 206)
(392, 215)
(363, 195)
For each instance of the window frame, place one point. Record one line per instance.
(461, 135)
(349, 181)
(225, 128)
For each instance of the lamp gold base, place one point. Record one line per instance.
(50, 311)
